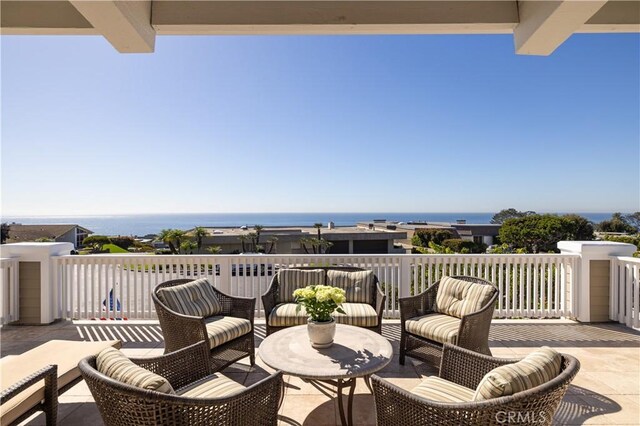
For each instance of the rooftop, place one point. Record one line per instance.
(606, 390)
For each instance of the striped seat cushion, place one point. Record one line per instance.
(358, 314)
(440, 390)
(113, 363)
(224, 329)
(213, 386)
(458, 298)
(534, 370)
(359, 286)
(437, 327)
(196, 298)
(285, 315)
(290, 280)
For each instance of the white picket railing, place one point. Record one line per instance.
(624, 294)
(9, 291)
(119, 286)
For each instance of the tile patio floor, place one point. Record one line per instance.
(606, 391)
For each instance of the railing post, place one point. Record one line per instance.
(225, 274)
(404, 283)
(593, 276)
(39, 286)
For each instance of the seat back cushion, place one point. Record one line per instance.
(114, 364)
(359, 286)
(458, 298)
(196, 298)
(537, 368)
(290, 280)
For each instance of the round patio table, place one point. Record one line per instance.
(356, 352)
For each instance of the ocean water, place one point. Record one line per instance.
(153, 223)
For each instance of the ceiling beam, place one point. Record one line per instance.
(42, 18)
(334, 17)
(545, 25)
(618, 16)
(125, 24)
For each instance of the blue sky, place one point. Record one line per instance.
(310, 124)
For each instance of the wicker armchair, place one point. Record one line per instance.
(121, 404)
(270, 299)
(395, 406)
(473, 331)
(181, 330)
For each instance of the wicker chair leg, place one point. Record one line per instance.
(50, 404)
(402, 349)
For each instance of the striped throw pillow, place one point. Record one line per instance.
(458, 298)
(358, 285)
(290, 280)
(113, 363)
(535, 369)
(196, 298)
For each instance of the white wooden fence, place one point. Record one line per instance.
(624, 294)
(120, 286)
(9, 291)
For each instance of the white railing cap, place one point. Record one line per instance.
(602, 249)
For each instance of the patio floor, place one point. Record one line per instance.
(606, 391)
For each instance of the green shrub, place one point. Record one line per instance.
(123, 242)
(422, 237)
(629, 239)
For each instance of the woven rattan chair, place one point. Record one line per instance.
(473, 332)
(395, 406)
(181, 330)
(270, 297)
(121, 404)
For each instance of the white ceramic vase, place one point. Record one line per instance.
(321, 334)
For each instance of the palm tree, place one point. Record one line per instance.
(166, 236)
(188, 246)
(272, 243)
(304, 241)
(243, 239)
(318, 226)
(199, 232)
(178, 235)
(214, 249)
(258, 229)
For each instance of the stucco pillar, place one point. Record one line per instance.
(38, 286)
(593, 275)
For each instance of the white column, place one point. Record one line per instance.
(42, 253)
(587, 288)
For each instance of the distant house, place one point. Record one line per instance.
(290, 239)
(73, 234)
(479, 233)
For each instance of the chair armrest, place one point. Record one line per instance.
(256, 405)
(181, 367)
(467, 368)
(418, 305)
(269, 299)
(473, 333)
(239, 307)
(50, 376)
(380, 300)
(396, 406)
(180, 330)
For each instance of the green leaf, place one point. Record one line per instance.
(339, 309)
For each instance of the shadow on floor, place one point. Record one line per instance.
(564, 335)
(581, 405)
